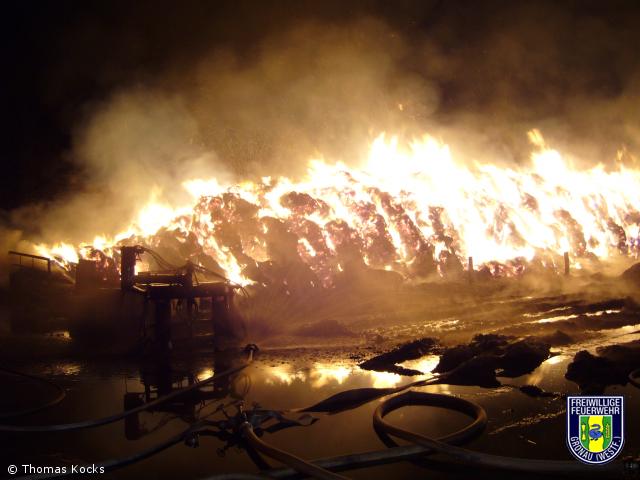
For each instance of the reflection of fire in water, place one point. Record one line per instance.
(413, 210)
(284, 374)
(322, 374)
(204, 373)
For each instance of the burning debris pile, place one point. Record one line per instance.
(413, 211)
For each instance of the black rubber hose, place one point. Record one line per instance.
(396, 454)
(287, 458)
(119, 463)
(64, 427)
(353, 461)
(60, 395)
(478, 459)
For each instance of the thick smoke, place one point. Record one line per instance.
(325, 82)
(136, 148)
(313, 90)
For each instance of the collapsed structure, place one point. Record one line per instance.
(143, 308)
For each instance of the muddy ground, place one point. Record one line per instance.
(516, 347)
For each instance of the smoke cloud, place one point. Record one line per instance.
(318, 82)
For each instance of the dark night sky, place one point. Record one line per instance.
(573, 65)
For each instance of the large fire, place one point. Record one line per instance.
(411, 209)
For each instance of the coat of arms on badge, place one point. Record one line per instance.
(595, 427)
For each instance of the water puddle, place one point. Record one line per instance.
(519, 425)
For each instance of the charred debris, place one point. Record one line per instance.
(153, 310)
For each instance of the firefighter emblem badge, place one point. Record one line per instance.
(595, 427)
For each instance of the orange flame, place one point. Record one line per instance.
(412, 209)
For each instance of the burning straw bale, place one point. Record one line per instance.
(387, 223)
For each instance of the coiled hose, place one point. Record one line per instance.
(421, 444)
(478, 459)
(425, 445)
(394, 454)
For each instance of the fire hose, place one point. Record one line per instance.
(423, 445)
(123, 462)
(287, 458)
(469, 457)
(60, 395)
(65, 427)
(379, 457)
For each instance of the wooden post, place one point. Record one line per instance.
(566, 263)
(470, 269)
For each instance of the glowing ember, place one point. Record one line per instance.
(412, 210)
